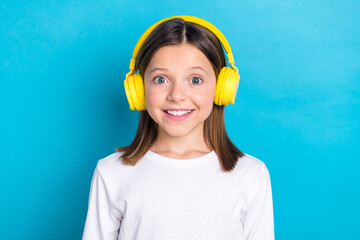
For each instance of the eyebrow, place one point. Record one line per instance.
(198, 67)
(158, 69)
(165, 69)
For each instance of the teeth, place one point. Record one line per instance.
(178, 113)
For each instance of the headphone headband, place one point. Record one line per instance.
(191, 19)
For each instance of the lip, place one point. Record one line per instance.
(178, 118)
(178, 109)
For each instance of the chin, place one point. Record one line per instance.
(178, 132)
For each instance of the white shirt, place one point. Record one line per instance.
(162, 198)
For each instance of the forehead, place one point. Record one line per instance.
(179, 56)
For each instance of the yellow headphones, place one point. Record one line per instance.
(227, 81)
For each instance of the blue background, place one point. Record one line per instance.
(63, 106)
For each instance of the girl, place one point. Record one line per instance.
(181, 177)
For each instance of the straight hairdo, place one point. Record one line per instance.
(174, 32)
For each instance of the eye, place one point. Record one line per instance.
(160, 80)
(196, 80)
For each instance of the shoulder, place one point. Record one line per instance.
(251, 168)
(111, 165)
(110, 160)
(250, 163)
(114, 174)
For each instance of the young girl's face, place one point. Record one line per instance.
(180, 85)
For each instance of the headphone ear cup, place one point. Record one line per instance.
(135, 93)
(226, 86)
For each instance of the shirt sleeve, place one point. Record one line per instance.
(259, 221)
(101, 223)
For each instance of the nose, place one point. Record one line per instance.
(177, 92)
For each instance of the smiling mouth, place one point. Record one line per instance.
(178, 113)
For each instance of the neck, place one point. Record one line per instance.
(182, 147)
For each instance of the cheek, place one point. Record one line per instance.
(204, 99)
(153, 98)
(152, 105)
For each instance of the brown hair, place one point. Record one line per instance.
(174, 32)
